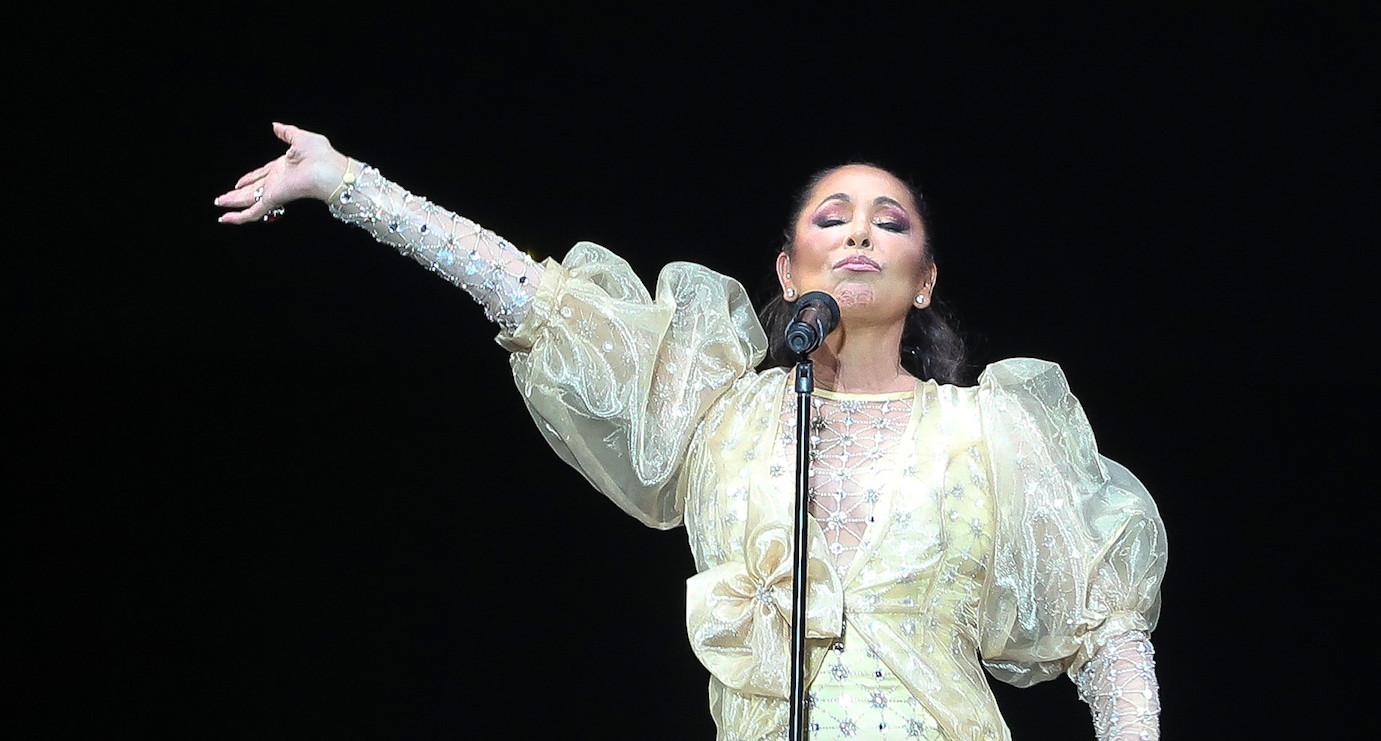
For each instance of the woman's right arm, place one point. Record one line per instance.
(495, 273)
(616, 379)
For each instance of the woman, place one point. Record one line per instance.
(956, 526)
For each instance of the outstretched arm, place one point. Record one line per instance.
(498, 275)
(1119, 685)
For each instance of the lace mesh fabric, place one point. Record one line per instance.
(488, 267)
(1119, 685)
(853, 460)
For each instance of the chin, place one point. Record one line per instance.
(862, 308)
(854, 295)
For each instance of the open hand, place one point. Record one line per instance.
(309, 169)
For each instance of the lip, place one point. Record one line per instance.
(858, 264)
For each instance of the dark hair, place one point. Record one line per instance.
(930, 348)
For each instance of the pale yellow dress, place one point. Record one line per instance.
(955, 527)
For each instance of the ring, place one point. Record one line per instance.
(258, 194)
(274, 215)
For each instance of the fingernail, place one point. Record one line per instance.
(216, 202)
(220, 219)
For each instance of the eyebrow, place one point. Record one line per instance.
(880, 200)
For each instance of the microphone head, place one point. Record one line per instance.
(824, 303)
(816, 315)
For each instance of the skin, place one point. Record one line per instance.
(860, 239)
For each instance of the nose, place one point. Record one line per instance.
(859, 238)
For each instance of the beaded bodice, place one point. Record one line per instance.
(854, 446)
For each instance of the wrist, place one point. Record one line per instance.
(331, 176)
(347, 176)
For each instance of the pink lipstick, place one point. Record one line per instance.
(858, 264)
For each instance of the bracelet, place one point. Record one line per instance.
(346, 182)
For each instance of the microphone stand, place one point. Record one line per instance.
(805, 386)
(816, 315)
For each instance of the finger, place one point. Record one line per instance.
(250, 177)
(253, 213)
(242, 198)
(286, 132)
(244, 194)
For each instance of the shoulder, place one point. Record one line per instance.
(1022, 376)
(1008, 375)
(1021, 372)
(1039, 386)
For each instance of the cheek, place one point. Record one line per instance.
(912, 255)
(810, 250)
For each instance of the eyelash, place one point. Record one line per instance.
(890, 226)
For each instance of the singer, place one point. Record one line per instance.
(958, 527)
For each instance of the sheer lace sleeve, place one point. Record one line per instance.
(617, 380)
(1080, 548)
(1119, 685)
(494, 272)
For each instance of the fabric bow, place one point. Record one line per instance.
(738, 614)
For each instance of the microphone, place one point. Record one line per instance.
(816, 316)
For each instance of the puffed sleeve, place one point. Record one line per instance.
(1080, 548)
(617, 380)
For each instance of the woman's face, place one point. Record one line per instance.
(860, 239)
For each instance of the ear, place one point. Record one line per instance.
(926, 286)
(783, 270)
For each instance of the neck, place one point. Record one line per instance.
(862, 360)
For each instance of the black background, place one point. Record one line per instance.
(274, 481)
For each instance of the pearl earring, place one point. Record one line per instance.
(920, 299)
(791, 293)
